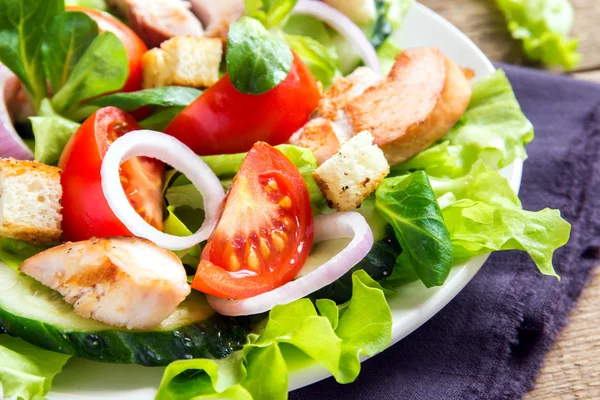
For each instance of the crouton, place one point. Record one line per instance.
(359, 11)
(350, 176)
(424, 95)
(30, 195)
(183, 61)
(345, 90)
(158, 20)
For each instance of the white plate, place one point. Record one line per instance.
(415, 304)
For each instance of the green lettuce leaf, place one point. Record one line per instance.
(23, 24)
(333, 336)
(173, 225)
(26, 371)
(410, 207)
(543, 26)
(13, 252)
(161, 119)
(479, 228)
(494, 130)
(96, 4)
(322, 63)
(52, 132)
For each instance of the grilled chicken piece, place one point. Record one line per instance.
(346, 89)
(424, 95)
(158, 20)
(325, 133)
(217, 15)
(125, 281)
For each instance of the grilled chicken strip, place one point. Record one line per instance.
(124, 282)
(159, 20)
(217, 15)
(422, 98)
(424, 95)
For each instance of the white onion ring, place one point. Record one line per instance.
(11, 144)
(145, 143)
(343, 25)
(327, 227)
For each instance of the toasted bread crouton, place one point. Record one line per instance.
(424, 95)
(345, 90)
(350, 176)
(319, 135)
(30, 195)
(183, 61)
(159, 20)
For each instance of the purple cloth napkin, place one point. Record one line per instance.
(490, 341)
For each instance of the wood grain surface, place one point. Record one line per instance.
(572, 367)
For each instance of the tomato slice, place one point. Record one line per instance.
(134, 46)
(224, 121)
(265, 233)
(86, 213)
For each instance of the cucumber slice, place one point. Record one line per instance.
(40, 316)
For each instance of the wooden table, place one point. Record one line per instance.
(572, 368)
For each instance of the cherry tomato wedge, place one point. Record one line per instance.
(224, 121)
(265, 233)
(86, 213)
(134, 46)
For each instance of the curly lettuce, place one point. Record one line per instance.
(543, 27)
(294, 334)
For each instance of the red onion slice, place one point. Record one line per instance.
(327, 227)
(11, 144)
(343, 25)
(145, 143)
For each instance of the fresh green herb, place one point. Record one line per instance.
(170, 96)
(68, 37)
(543, 26)
(257, 61)
(479, 228)
(294, 332)
(27, 371)
(52, 132)
(23, 24)
(161, 119)
(409, 205)
(102, 69)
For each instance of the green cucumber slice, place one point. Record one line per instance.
(40, 316)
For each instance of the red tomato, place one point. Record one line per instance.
(224, 120)
(265, 233)
(86, 213)
(134, 46)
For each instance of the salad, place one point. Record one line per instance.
(213, 188)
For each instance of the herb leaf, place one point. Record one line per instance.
(170, 96)
(409, 205)
(69, 36)
(257, 61)
(102, 69)
(22, 28)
